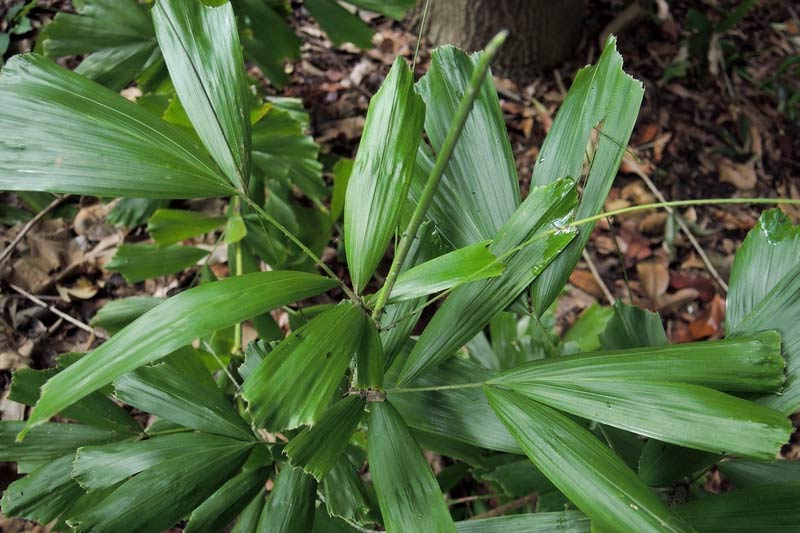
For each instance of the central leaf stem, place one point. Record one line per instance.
(459, 119)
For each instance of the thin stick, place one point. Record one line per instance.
(291, 236)
(419, 36)
(57, 312)
(167, 432)
(29, 225)
(551, 350)
(448, 146)
(223, 366)
(620, 258)
(681, 203)
(468, 499)
(699, 249)
(237, 329)
(507, 507)
(587, 220)
(596, 274)
(403, 390)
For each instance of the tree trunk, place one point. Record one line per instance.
(543, 33)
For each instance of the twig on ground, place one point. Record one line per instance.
(28, 225)
(596, 274)
(57, 312)
(468, 499)
(686, 231)
(507, 507)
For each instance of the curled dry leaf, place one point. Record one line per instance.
(82, 289)
(637, 247)
(653, 223)
(12, 358)
(660, 144)
(676, 300)
(692, 261)
(702, 284)
(46, 254)
(584, 280)
(709, 324)
(654, 276)
(741, 176)
(790, 190)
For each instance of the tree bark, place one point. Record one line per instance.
(543, 33)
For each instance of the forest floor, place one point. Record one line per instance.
(724, 122)
(723, 129)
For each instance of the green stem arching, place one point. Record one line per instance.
(402, 390)
(449, 144)
(292, 237)
(594, 218)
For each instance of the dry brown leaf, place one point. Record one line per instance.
(660, 144)
(679, 332)
(12, 358)
(648, 133)
(349, 128)
(617, 203)
(654, 276)
(604, 244)
(90, 222)
(692, 261)
(48, 252)
(526, 125)
(637, 194)
(702, 284)
(741, 176)
(82, 289)
(637, 247)
(676, 300)
(709, 324)
(653, 223)
(585, 281)
(790, 190)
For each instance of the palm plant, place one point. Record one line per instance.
(350, 385)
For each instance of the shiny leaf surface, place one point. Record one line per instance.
(470, 307)
(381, 173)
(460, 266)
(563, 522)
(117, 314)
(290, 506)
(99, 467)
(317, 449)
(653, 391)
(601, 96)
(116, 38)
(161, 495)
(586, 471)
(168, 226)
(201, 49)
(181, 390)
(96, 409)
(189, 315)
(479, 190)
(766, 255)
(409, 497)
(768, 508)
(43, 494)
(297, 381)
(67, 134)
(51, 440)
(458, 413)
(229, 500)
(751, 363)
(141, 261)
